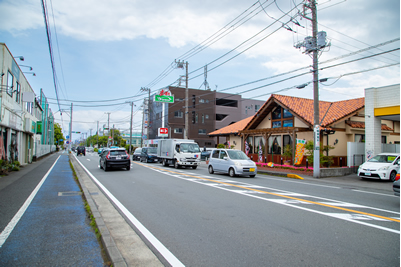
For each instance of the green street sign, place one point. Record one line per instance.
(164, 98)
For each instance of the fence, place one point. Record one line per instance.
(41, 150)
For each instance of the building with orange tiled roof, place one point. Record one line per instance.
(283, 119)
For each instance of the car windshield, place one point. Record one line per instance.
(237, 154)
(382, 159)
(189, 148)
(152, 150)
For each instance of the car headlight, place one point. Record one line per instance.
(183, 159)
(238, 163)
(384, 168)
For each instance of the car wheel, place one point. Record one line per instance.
(392, 176)
(231, 172)
(252, 176)
(211, 171)
(164, 163)
(128, 167)
(105, 167)
(176, 165)
(194, 167)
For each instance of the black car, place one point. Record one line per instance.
(205, 154)
(81, 150)
(114, 158)
(137, 154)
(149, 154)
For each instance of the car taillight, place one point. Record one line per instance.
(108, 154)
(397, 177)
(127, 154)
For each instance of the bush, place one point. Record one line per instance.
(221, 146)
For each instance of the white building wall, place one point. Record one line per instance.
(374, 98)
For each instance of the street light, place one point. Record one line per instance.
(30, 72)
(20, 58)
(130, 126)
(30, 68)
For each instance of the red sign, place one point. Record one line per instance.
(163, 130)
(164, 92)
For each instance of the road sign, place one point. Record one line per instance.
(163, 132)
(164, 98)
(67, 137)
(68, 142)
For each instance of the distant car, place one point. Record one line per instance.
(99, 150)
(73, 148)
(114, 158)
(81, 150)
(231, 161)
(396, 184)
(137, 154)
(206, 153)
(382, 166)
(149, 154)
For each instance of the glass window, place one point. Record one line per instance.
(223, 154)
(178, 114)
(215, 154)
(237, 154)
(206, 116)
(202, 131)
(257, 107)
(286, 114)
(196, 118)
(288, 123)
(276, 114)
(203, 118)
(275, 144)
(18, 93)
(177, 130)
(10, 82)
(359, 138)
(276, 124)
(259, 141)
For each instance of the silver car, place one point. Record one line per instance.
(231, 161)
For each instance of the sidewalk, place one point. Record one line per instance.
(54, 230)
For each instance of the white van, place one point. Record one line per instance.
(231, 161)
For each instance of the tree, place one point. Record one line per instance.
(58, 135)
(324, 159)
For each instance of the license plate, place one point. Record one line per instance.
(251, 169)
(118, 157)
(368, 173)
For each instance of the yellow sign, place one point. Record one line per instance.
(299, 152)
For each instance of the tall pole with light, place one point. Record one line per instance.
(130, 126)
(180, 64)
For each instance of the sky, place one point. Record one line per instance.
(106, 51)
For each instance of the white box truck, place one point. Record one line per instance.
(179, 152)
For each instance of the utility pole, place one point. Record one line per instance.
(314, 45)
(97, 135)
(143, 116)
(316, 151)
(108, 127)
(180, 64)
(147, 117)
(69, 148)
(130, 126)
(186, 102)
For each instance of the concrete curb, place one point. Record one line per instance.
(107, 240)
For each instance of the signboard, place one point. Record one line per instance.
(163, 132)
(164, 96)
(39, 127)
(317, 137)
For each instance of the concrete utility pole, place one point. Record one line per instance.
(147, 118)
(180, 64)
(69, 147)
(97, 134)
(130, 127)
(186, 102)
(313, 45)
(108, 127)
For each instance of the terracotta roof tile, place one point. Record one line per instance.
(233, 128)
(361, 125)
(303, 107)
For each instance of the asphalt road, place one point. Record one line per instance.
(215, 220)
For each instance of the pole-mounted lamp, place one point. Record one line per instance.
(30, 68)
(20, 58)
(33, 73)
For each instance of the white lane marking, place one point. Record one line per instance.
(145, 232)
(10, 226)
(387, 195)
(291, 203)
(290, 181)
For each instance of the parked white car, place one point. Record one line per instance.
(231, 161)
(382, 166)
